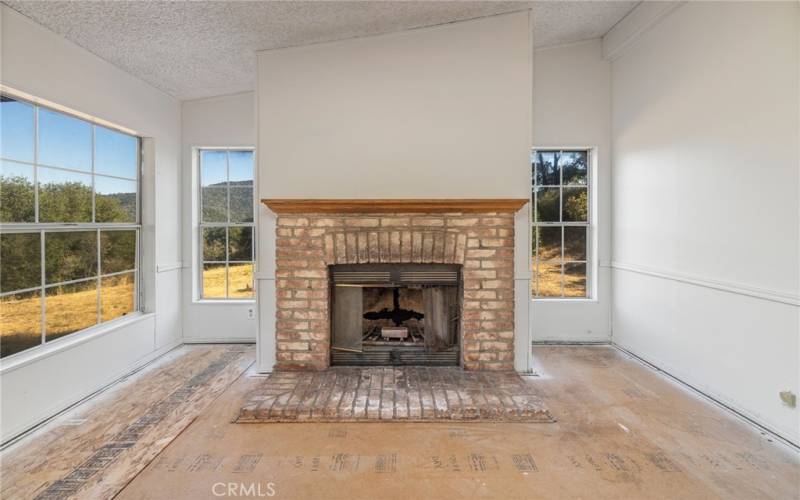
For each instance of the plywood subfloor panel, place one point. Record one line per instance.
(394, 394)
(97, 448)
(623, 431)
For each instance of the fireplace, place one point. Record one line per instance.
(395, 314)
(437, 275)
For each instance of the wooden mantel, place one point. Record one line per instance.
(382, 206)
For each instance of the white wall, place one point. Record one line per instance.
(441, 112)
(705, 210)
(572, 108)
(433, 112)
(227, 121)
(38, 62)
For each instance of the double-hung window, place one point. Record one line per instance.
(69, 224)
(561, 223)
(226, 223)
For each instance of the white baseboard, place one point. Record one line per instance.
(571, 342)
(220, 340)
(576, 338)
(711, 397)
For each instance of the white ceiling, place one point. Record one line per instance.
(194, 49)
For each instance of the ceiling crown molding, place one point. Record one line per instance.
(630, 29)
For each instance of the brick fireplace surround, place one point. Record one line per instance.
(308, 242)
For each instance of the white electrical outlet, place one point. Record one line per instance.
(251, 313)
(789, 398)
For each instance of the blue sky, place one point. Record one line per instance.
(65, 141)
(215, 169)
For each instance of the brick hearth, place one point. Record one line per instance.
(308, 243)
(407, 394)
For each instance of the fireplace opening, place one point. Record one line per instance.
(395, 314)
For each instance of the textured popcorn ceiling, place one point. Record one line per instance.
(193, 49)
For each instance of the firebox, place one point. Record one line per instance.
(395, 314)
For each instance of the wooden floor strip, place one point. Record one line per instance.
(116, 458)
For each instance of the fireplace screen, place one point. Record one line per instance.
(395, 314)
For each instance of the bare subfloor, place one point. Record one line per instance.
(623, 431)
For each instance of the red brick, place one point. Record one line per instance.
(362, 222)
(310, 274)
(497, 221)
(395, 221)
(490, 284)
(326, 222)
(489, 274)
(292, 284)
(480, 294)
(497, 242)
(292, 221)
(462, 222)
(292, 304)
(503, 304)
(428, 221)
(481, 254)
(495, 346)
(309, 314)
(292, 325)
(496, 264)
(292, 346)
(291, 263)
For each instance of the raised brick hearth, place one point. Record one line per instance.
(308, 243)
(395, 394)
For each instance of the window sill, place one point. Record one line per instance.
(223, 302)
(562, 300)
(68, 342)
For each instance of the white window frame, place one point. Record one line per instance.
(590, 225)
(200, 225)
(43, 228)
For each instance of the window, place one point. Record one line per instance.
(69, 224)
(226, 223)
(561, 222)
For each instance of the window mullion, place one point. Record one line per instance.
(94, 191)
(99, 280)
(536, 228)
(200, 186)
(56, 227)
(227, 228)
(536, 277)
(227, 258)
(201, 260)
(561, 216)
(42, 293)
(36, 164)
(136, 284)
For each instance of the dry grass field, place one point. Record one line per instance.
(69, 308)
(550, 281)
(549, 271)
(74, 307)
(240, 281)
